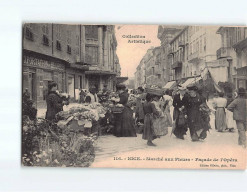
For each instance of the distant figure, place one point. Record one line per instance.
(220, 115)
(139, 113)
(82, 96)
(239, 109)
(54, 102)
(26, 95)
(93, 95)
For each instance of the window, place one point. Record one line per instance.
(58, 32)
(91, 32)
(68, 49)
(28, 33)
(58, 45)
(92, 54)
(45, 40)
(68, 37)
(45, 29)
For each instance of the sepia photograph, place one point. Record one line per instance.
(134, 96)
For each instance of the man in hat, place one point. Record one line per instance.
(179, 104)
(194, 114)
(239, 109)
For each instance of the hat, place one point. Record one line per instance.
(181, 88)
(241, 91)
(192, 87)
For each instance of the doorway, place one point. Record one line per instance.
(71, 85)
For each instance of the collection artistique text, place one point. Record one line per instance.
(136, 39)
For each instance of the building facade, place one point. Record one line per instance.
(234, 51)
(74, 56)
(166, 34)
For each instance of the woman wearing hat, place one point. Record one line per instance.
(179, 103)
(239, 109)
(198, 129)
(124, 122)
(54, 102)
(150, 112)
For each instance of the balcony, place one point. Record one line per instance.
(241, 44)
(170, 51)
(223, 52)
(193, 57)
(181, 44)
(218, 63)
(177, 64)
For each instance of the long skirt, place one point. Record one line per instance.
(160, 126)
(168, 117)
(148, 131)
(220, 119)
(230, 123)
(124, 123)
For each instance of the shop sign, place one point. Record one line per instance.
(40, 63)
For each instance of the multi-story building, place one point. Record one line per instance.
(150, 67)
(233, 53)
(166, 34)
(203, 44)
(178, 55)
(74, 56)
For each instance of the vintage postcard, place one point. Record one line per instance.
(134, 96)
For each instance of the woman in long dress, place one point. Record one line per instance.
(54, 102)
(167, 107)
(124, 122)
(149, 113)
(220, 115)
(160, 121)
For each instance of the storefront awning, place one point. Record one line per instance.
(99, 72)
(189, 81)
(169, 85)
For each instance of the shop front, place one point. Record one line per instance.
(38, 72)
(75, 80)
(240, 79)
(97, 79)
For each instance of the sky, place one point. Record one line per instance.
(130, 54)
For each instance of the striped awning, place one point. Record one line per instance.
(169, 85)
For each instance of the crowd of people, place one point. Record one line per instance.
(154, 111)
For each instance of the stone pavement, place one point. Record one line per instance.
(110, 146)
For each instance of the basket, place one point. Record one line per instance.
(155, 91)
